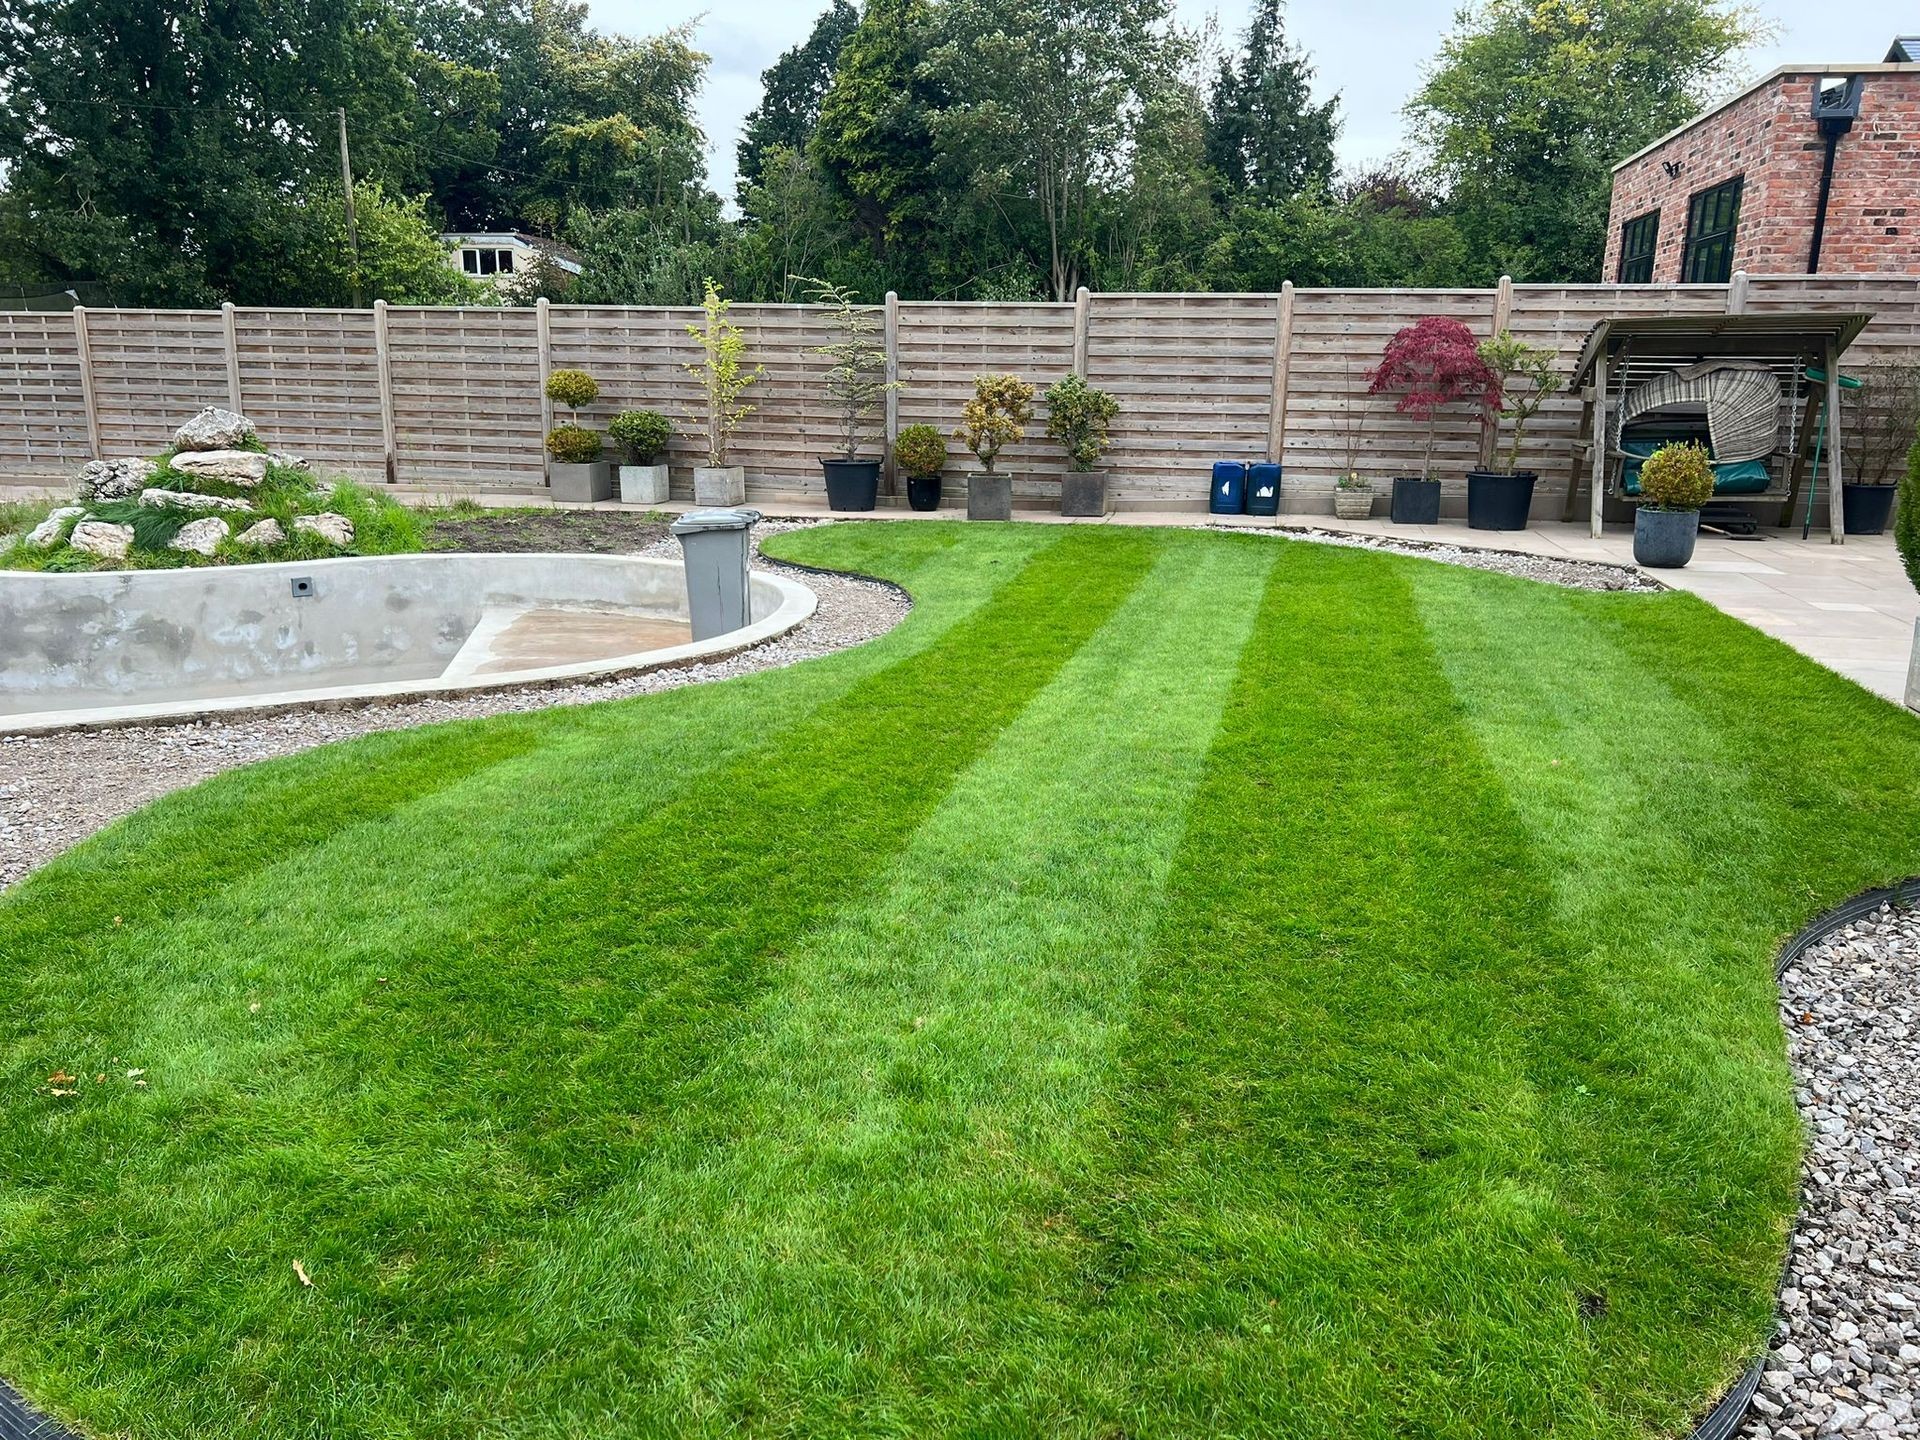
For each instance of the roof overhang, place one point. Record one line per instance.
(1768, 337)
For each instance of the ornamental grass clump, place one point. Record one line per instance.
(995, 417)
(1430, 366)
(1078, 416)
(1676, 477)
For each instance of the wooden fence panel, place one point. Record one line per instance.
(43, 418)
(466, 398)
(152, 370)
(310, 382)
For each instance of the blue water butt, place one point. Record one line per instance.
(1263, 489)
(1229, 493)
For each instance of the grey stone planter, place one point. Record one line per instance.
(643, 484)
(581, 484)
(1083, 492)
(722, 485)
(1353, 504)
(1913, 671)
(1663, 539)
(989, 497)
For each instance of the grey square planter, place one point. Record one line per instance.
(721, 485)
(989, 497)
(643, 484)
(581, 484)
(1083, 492)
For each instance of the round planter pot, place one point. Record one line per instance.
(852, 484)
(1864, 508)
(1415, 501)
(1663, 539)
(989, 497)
(1083, 492)
(923, 492)
(1353, 504)
(1498, 501)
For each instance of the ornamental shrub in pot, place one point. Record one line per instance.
(1879, 423)
(1430, 365)
(994, 418)
(643, 436)
(921, 453)
(857, 381)
(724, 378)
(577, 474)
(1078, 416)
(1524, 380)
(1675, 481)
(1906, 534)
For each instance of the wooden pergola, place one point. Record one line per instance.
(1628, 350)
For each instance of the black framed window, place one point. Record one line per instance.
(1712, 217)
(1637, 239)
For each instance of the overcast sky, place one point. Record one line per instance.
(1370, 51)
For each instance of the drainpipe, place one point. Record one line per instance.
(1835, 107)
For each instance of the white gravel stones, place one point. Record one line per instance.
(97, 537)
(46, 534)
(261, 534)
(236, 467)
(214, 429)
(55, 790)
(191, 500)
(200, 537)
(114, 479)
(333, 528)
(1847, 1357)
(1570, 574)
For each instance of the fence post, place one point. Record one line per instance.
(383, 362)
(1282, 363)
(232, 333)
(1503, 304)
(1082, 318)
(543, 323)
(893, 392)
(86, 381)
(1737, 293)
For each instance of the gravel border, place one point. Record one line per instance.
(60, 787)
(1568, 574)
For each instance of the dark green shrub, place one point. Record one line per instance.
(643, 434)
(1906, 524)
(1077, 416)
(1676, 477)
(573, 444)
(921, 451)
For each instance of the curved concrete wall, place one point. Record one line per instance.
(164, 642)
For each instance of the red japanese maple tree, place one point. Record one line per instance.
(1431, 365)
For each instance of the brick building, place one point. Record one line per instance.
(1740, 187)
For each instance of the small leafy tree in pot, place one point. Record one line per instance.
(1675, 481)
(1879, 422)
(1526, 381)
(577, 473)
(1352, 491)
(643, 435)
(921, 452)
(857, 381)
(1431, 365)
(724, 378)
(996, 416)
(1078, 416)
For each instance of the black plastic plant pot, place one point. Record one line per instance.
(1864, 509)
(1415, 501)
(1663, 539)
(1499, 501)
(923, 492)
(1083, 493)
(852, 484)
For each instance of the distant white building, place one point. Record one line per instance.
(497, 256)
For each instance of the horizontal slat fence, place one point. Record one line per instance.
(451, 399)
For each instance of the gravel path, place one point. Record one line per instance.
(1571, 574)
(1846, 1357)
(55, 790)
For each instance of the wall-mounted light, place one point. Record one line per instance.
(1673, 167)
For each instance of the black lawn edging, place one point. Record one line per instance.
(20, 1421)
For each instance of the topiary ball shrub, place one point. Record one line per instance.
(643, 434)
(573, 444)
(1676, 477)
(921, 451)
(572, 388)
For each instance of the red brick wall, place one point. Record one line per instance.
(1770, 137)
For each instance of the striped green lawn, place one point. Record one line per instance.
(1175, 984)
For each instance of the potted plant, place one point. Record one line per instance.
(1431, 365)
(1675, 481)
(1352, 496)
(1906, 534)
(723, 378)
(995, 417)
(857, 381)
(577, 475)
(643, 435)
(1524, 381)
(1885, 418)
(921, 451)
(1352, 492)
(1078, 416)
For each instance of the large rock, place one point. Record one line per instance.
(214, 429)
(191, 500)
(262, 534)
(201, 537)
(236, 467)
(114, 479)
(332, 528)
(288, 460)
(97, 537)
(46, 534)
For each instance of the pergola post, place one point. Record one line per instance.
(1599, 482)
(1836, 501)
